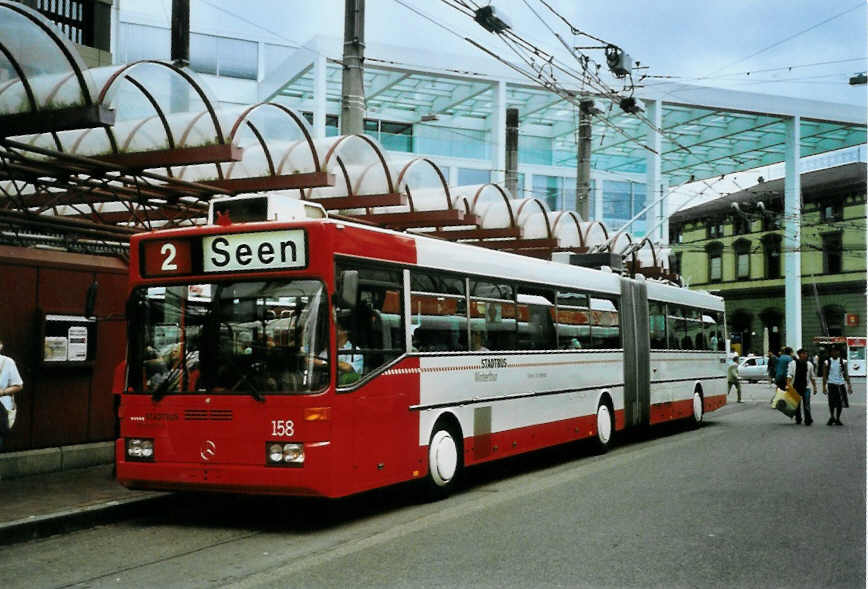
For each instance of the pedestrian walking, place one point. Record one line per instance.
(732, 378)
(772, 364)
(781, 367)
(834, 377)
(10, 383)
(800, 372)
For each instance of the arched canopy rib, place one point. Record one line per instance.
(567, 229)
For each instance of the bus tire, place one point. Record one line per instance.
(605, 429)
(444, 460)
(698, 409)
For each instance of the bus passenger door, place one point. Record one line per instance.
(634, 331)
(371, 334)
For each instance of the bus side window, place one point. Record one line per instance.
(605, 323)
(374, 327)
(693, 320)
(438, 312)
(712, 329)
(536, 310)
(719, 339)
(574, 321)
(676, 328)
(657, 325)
(492, 316)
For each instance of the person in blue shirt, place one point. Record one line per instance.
(781, 367)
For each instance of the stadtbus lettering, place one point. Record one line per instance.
(494, 362)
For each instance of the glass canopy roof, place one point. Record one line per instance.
(697, 141)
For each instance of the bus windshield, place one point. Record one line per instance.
(252, 337)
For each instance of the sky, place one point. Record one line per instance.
(713, 43)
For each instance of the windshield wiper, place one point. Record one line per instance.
(254, 392)
(163, 387)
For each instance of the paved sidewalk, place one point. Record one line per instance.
(45, 504)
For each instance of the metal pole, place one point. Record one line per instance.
(179, 97)
(583, 161)
(792, 239)
(353, 89)
(512, 152)
(181, 32)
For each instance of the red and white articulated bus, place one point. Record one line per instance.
(323, 357)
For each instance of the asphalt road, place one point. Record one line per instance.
(748, 500)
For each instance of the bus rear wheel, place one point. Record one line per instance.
(698, 410)
(444, 462)
(605, 428)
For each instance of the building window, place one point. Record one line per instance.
(471, 176)
(772, 255)
(534, 150)
(833, 211)
(549, 189)
(771, 221)
(833, 317)
(832, 253)
(224, 56)
(676, 263)
(621, 202)
(740, 225)
(742, 258)
(715, 262)
(391, 135)
(676, 234)
(714, 229)
(143, 42)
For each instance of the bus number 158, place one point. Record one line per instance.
(282, 428)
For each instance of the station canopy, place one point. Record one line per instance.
(706, 132)
(90, 156)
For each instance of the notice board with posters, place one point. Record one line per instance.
(68, 340)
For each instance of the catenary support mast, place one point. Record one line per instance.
(353, 89)
(792, 229)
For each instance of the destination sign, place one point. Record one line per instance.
(264, 250)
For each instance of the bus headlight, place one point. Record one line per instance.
(275, 453)
(140, 449)
(293, 453)
(284, 454)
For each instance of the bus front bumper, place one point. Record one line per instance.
(313, 478)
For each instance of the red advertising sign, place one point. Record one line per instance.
(852, 319)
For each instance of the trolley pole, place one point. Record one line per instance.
(353, 83)
(512, 152)
(583, 160)
(180, 54)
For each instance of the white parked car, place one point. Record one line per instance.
(754, 369)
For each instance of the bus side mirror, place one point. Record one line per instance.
(348, 289)
(134, 306)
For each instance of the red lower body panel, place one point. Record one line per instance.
(496, 445)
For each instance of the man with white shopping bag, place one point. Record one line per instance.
(800, 373)
(10, 383)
